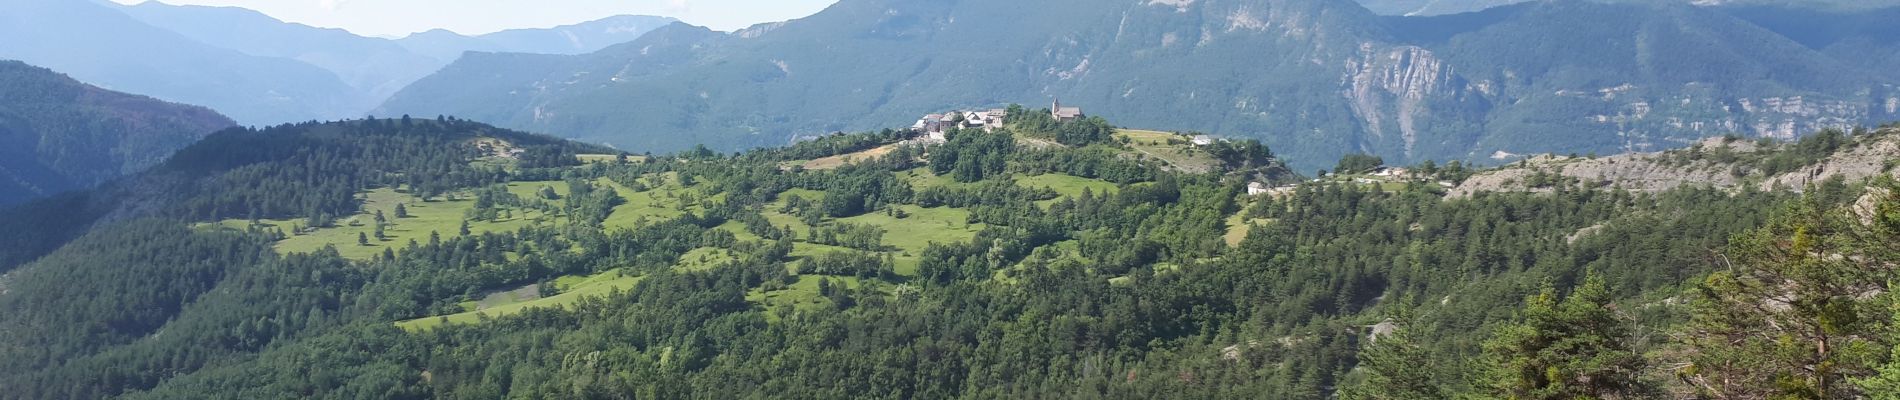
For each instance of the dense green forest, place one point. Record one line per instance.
(438, 258)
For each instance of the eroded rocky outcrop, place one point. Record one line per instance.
(1863, 157)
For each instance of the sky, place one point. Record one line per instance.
(396, 18)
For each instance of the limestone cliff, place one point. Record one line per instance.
(1714, 162)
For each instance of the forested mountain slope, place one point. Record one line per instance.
(1316, 79)
(401, 258)
(1861, 38)
(57, 134)
(308, 170)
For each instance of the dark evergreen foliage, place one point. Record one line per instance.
(1132, 293)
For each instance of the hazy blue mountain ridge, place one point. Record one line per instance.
(251, 66)
(1313, 78)
(1445, 7)
(103, 46)
(377, 67)
(57, 134)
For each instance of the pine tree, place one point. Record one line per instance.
(1790, 316)
(362, 239)
(1397, 368)
(401, 212)
(1885, 383)
(1577, 348)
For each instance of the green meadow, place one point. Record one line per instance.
(573, 289)
(1169, 148)
(440, 215)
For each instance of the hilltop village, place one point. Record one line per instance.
(930, 129)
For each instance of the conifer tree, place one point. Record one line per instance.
(1397, 368)
(1792, 316)
(1576, 348)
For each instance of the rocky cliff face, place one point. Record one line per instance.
(1714, 162)
(1403, 93)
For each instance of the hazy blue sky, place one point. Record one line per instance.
(401, 17)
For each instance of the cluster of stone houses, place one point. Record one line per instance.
(974, 119)
(933, 125)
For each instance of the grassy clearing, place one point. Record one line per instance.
(532, 190)
(1065, 254)
(665, 199)
(1068, 185)
(801, 295)
(1156, 144)
(921, 178)
(1239, 225)
(517, 295)
(842, 159)
(704, 258)
(911, 234)
(907, 236)
(443, 217)
(807, 194)
(573, 289)
(921, 227)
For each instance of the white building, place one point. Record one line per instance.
(1257, 188)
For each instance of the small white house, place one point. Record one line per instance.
(1392, 173)
(1203, 140)
(1257, 188)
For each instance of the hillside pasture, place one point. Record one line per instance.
(1169, 148)
(573, 289)
(440, 215)
(847, 158)
(802, 295)
(1068, 185)
(665, 199)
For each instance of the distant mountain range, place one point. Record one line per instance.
(57, 134)
(1442, 7)
(1314, 78)
(253, 67)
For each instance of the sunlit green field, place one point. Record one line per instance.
(1067, 185)
(441, 216)
(665, 199)
(574, 288)
(801, 295)
(1156, 145)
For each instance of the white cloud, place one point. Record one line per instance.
(331, 5)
